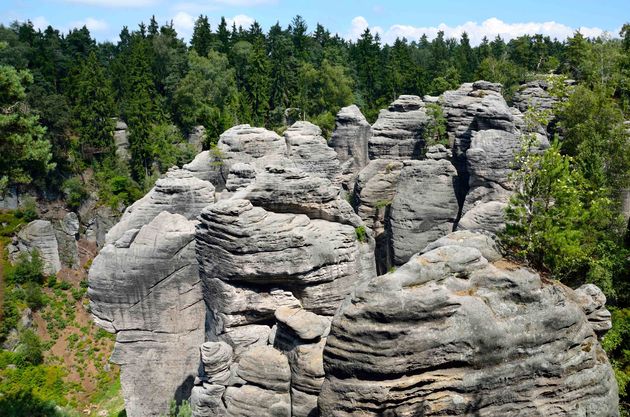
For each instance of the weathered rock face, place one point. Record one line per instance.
(474, 107)
(276, 260)
(449, 333)
(121, 140)
(490, 161)
(67, 234)
(350, 141)
(308, 149)
(145, 287)
(196, 137)
(38, 235)
(239, 144)
(373, 195)
(399, 130)
(425, 206)
(178, 192)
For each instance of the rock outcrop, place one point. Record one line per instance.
(373, 195)
(425, 207)
(399, 130)
(145, 287)
(38, 235)
(306, 146)
(178, 192)
(350, 141)
(121, 140)
(450, 333)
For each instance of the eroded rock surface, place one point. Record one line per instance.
(145, 287)
(399, 131)
(487, 339)
(350, 141)
(425, 206)
(38, 235)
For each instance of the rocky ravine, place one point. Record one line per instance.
(226, 284)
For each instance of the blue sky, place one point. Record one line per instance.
(557, 18)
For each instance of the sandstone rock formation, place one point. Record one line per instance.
(38, 235)
(425, 206)
(121, 140)
(308, 149)
(145, 287)
(178, 192)
(450, 333)
(399, 130)
(350, 141)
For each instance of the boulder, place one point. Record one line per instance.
(121, 140)
(399, 130)
(196, 137)
(38, 235)
(450, 333)
(67, 234)
(145, 287)
(425, 207)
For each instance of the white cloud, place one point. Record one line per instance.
(240, 20)
(115, 3)
(489, 28)
(40, 23)
(94, 25)
(184, 24)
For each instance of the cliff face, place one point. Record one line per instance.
(247, 281)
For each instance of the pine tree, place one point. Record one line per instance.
(201, 40)
(223, 37)
(93, 109)
(24, 153)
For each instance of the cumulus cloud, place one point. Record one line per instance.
(358, 26)
(94, 25)
(184, 24)
(240, 20)
(114, 3)
(490, 28)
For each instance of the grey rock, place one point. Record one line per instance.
(534, 95)
(482, 241)
(399, 131)
(39, 235)
(243, 338)
(375, 191)
(438, 152)
(265, 367)
(148, 292)
(485, 340)
(206, 401)
(306, 325)
(251, 400)
(67, 234)
(593, 302)
(121, 140)
(216, 357)
(240, 176)
(350, 140)
(425, 206)
(178, 192)
(196, 137)
(284, 189)
(308, 149)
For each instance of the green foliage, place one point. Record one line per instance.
(436, 128)
(206, 95)
(361, 233)
(29, 350)
(182, 410)
(168, 147)
(616, 343)
(24, 153)
(75, 192)
(28, 268)
(116, 186)
(28, 210)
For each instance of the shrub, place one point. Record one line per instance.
(29, 350)
(75, 192)
(361, 233)
(28, 268)
(28, 210)
(34, 297)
